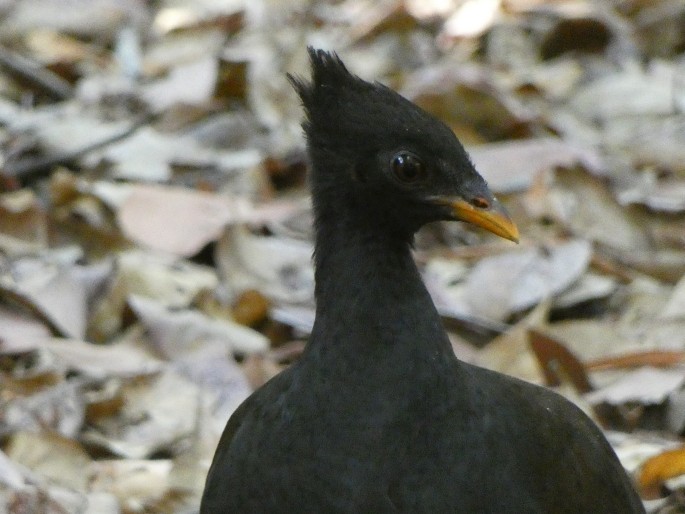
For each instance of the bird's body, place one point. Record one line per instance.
(378, 415)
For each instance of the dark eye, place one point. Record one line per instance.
(407, 167)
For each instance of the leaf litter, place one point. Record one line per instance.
(155, 231)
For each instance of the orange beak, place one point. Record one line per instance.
(494, 218)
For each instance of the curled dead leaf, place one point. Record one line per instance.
(656, 470)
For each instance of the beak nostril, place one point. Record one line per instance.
(480, 202)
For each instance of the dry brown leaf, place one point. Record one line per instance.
(23, 223)
(659, 468)
(250, 308)
(656, 359)
(558, 364)
(463, 95)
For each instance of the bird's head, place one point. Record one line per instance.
(386, 160)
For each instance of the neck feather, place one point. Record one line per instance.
(368, 288)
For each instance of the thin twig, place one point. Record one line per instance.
(31, 168)
(45, 80)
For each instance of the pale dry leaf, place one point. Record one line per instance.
(634, 448)
(59, 460)
(102, 503)
(182, 221)
(510, 352)
(53, 290)
(165, 278)
(181, 47)
(66, 127)
(472, 18)
(175, 220)
(654, 141)
(659, 195)
(279, 267)
(176, 16)
(300, 317)
(10, 474)
(41, 496)
(513, 281)
(628, 93)
(220, 375)
(666, 334)
(98, 361)
(584, 205)
(192, 83)
(158, 415)
(667, 264)
(178, 333)
(590, 286)
(112, 194)
(525, 159)
(429, 9)
(648, 386)
(135, 483)
(645, 300)
(148, 155)
(445, 279)
(170, 280)
(93, 18)
(59, 409)
(675, 307)
(20, 332)
(675, 411)
(188, 474)
(591, 339)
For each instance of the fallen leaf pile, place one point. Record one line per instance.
(155, 228)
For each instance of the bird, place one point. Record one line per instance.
(378, 415)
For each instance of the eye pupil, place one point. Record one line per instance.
(407, 167)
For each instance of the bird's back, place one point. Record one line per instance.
(511, 448)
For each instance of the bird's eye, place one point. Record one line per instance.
(407, 167)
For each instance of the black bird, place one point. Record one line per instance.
(378, 415)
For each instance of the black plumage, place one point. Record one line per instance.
(378, 415)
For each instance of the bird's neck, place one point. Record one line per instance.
(369, 292)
